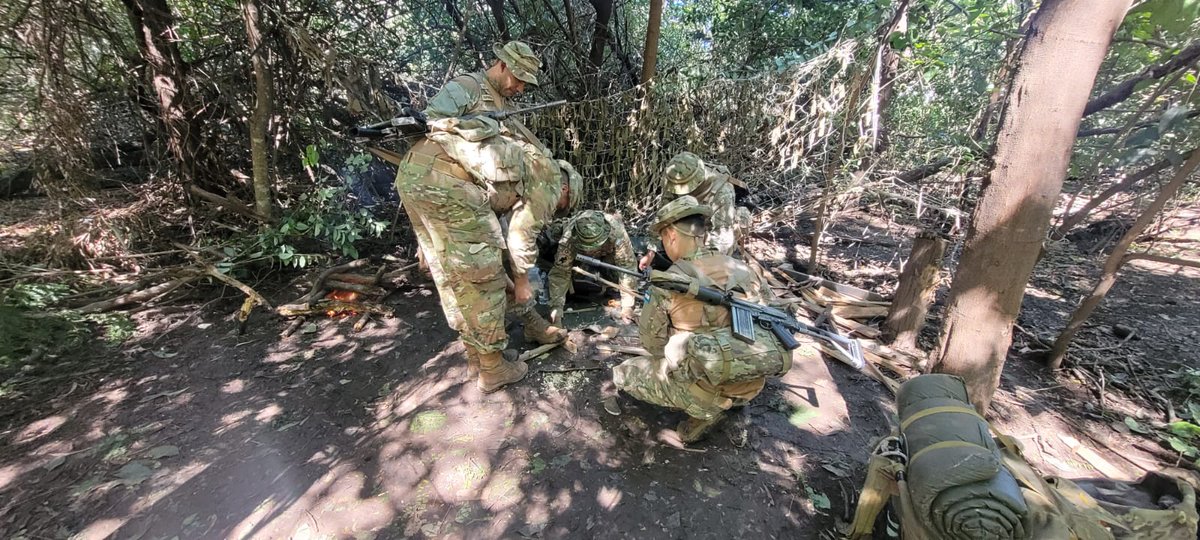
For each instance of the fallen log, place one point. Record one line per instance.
(323, 307)
(144, 295)
(848, 290)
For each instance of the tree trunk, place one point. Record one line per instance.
(602, 34)
(650, 52)
(261, 116)
(1033, 150)
(1116, 259)
(888, 63)
(498, 14)
(918, 283)
(167, 75)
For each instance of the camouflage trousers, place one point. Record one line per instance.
(462, 242)
(665, 383)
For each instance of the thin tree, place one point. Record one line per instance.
(650, 52)
(1117, 259)
(260, 117)
(1033, 150)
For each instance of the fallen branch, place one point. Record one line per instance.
(623, 349)
(144, 295)
(538, 351)
(336, 306)
(1161, 259)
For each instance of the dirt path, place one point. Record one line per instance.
(326, 434)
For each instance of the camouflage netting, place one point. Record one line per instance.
(776, 131)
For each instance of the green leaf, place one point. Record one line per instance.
(1194, 410)
(1182, 447)
(1135, 427)
(1184, 429)
(819, 500)
(1172, 15)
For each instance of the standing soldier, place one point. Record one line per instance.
(712, 186)
(598, 235)
(697, 365)
(454, 183)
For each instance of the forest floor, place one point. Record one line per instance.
(189, 429)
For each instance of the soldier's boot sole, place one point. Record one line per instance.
(694, 429)
(496, 372)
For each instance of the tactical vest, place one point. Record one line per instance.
(715, 356)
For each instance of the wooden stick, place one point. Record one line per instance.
(536, 352)
(623, 349)
(368, 290)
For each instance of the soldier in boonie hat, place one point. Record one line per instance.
(573, 184)
(518, 56)
(591, 230)
(684, 174)
(678, 209)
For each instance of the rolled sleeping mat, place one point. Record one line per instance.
(956, 479)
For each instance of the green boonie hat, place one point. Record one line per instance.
(591, 228)
(684, 173)
(520, 60)
(574, 183)
(676, 210)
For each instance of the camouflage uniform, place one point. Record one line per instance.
(712, 186)
(696, 364)
(455, 182)
(598, 235)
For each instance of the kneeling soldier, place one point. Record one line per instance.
(697, 364)
(599, 235)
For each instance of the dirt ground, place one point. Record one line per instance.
(190, 430)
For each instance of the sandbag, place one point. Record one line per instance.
(956, 479)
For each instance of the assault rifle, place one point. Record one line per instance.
(744, 314)
(414, 122)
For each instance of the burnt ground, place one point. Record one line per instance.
(189, 430)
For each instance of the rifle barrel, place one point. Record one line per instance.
(601, 264)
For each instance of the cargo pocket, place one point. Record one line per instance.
(476, 262)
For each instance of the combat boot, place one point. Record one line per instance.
(540, 330)
(694, 429)
(496, 372)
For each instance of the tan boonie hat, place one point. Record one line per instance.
(520, 60)
(591, 229)
(574, 183)
(676, 210)
(684, 173)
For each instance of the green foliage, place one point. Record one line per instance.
(1171, 15)
(322, 216)
(29, 323)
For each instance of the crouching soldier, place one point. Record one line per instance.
(598, 235)
(697, 365)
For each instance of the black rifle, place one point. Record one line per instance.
(414, 122)
(744, 314)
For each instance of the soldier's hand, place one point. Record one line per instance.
(627, 315)
(522, 291)
(645, 261)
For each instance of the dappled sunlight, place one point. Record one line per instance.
(38, 429)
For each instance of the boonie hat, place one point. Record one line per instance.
(520, 59)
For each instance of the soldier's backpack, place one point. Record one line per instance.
(946, 475)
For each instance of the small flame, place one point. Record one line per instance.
(341, 296)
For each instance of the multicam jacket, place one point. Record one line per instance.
(618, 250)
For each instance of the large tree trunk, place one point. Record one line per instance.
(260, 117)
(167, 76)
(650, 52)
(602, 33)
(1116, 259)
(1033, 150)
